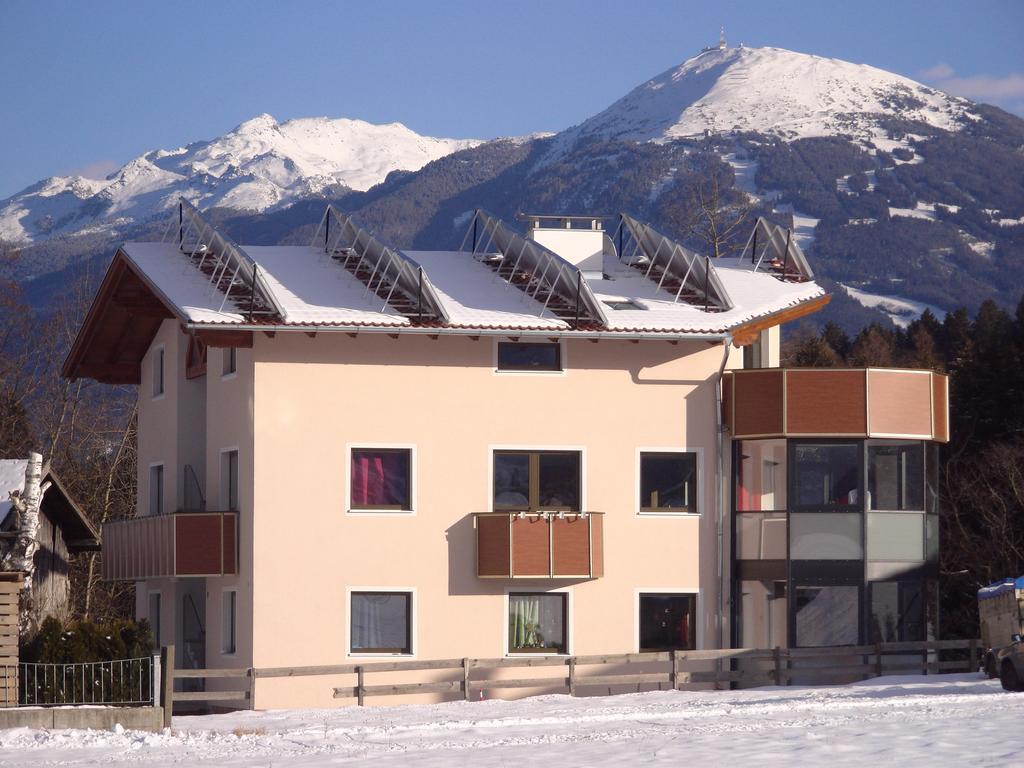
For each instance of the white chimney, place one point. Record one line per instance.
(577, 239)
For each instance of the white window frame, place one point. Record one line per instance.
(563, 355)
(223, 621)
(699, 609)
(570, 622)
(533, 448)
(224, 490)
(413, 480)
(150, 594)
(701, 482)
(163, 488)
(413, 623)
(225, 353)
(159, 353)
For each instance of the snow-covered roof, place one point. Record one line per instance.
(169, 272)
(315, 290)
(754, 295)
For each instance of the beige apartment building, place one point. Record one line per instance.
(350, 451)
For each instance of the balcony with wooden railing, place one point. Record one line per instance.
(166, 546)
(540, 545)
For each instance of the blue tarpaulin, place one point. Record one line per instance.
(999, 587)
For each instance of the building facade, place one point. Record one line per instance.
(347, 451)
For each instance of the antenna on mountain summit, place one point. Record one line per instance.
(721, 39)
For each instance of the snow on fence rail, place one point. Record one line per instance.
(121, 682)
(672, 669)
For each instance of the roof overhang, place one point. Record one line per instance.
(747, 333)
(119, 327)
(80, 535)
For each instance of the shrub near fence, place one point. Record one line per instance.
(670, 669)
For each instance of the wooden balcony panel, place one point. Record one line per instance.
(834, 402)
(535, 547)
(166, 546)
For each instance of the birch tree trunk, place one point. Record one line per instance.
(22, 557)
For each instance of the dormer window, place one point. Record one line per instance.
(623, 304)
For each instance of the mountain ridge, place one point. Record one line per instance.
(259, 164)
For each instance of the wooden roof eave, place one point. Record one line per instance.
(746, 334)
(74, 365)
(79, 532)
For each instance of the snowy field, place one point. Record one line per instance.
(947, 720)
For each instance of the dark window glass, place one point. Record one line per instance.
(896, 476)
(156, 490)
(931, 523)
(536, 623)
(558, 484)
(511, 480)
(381, 478)
(668, 482)
(381, 622)
(826, 475)
(897, 611)
(229, 477)
(827, 616)
(539, 480)
(154, 616)
(668, 622)
(932, 480)
(158, 372)
(752, 354)
(230, 361)
(517, 356)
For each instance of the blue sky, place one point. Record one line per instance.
(89, 85)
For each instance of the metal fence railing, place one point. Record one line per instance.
(124, 682)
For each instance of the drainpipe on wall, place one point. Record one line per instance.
(721, 493)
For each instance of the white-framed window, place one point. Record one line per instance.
(229, 361)
(538, 622)
(154, 617)
(228, 621)
(668, 481)
(667, 621)
(381, 478)
(229, 478)
(156, 489)
(667, 618)
(519, 356)
(158, 372)
(382, 621)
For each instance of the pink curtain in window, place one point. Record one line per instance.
(368, 480)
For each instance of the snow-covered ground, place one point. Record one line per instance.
(900, 310)
(803, 225)
(946, 720)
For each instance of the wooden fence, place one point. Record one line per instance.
(669, 669)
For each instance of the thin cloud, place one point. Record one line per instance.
(97, 170)
(1006, 91)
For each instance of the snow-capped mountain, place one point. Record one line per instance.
(259, 165)
(772, 91)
